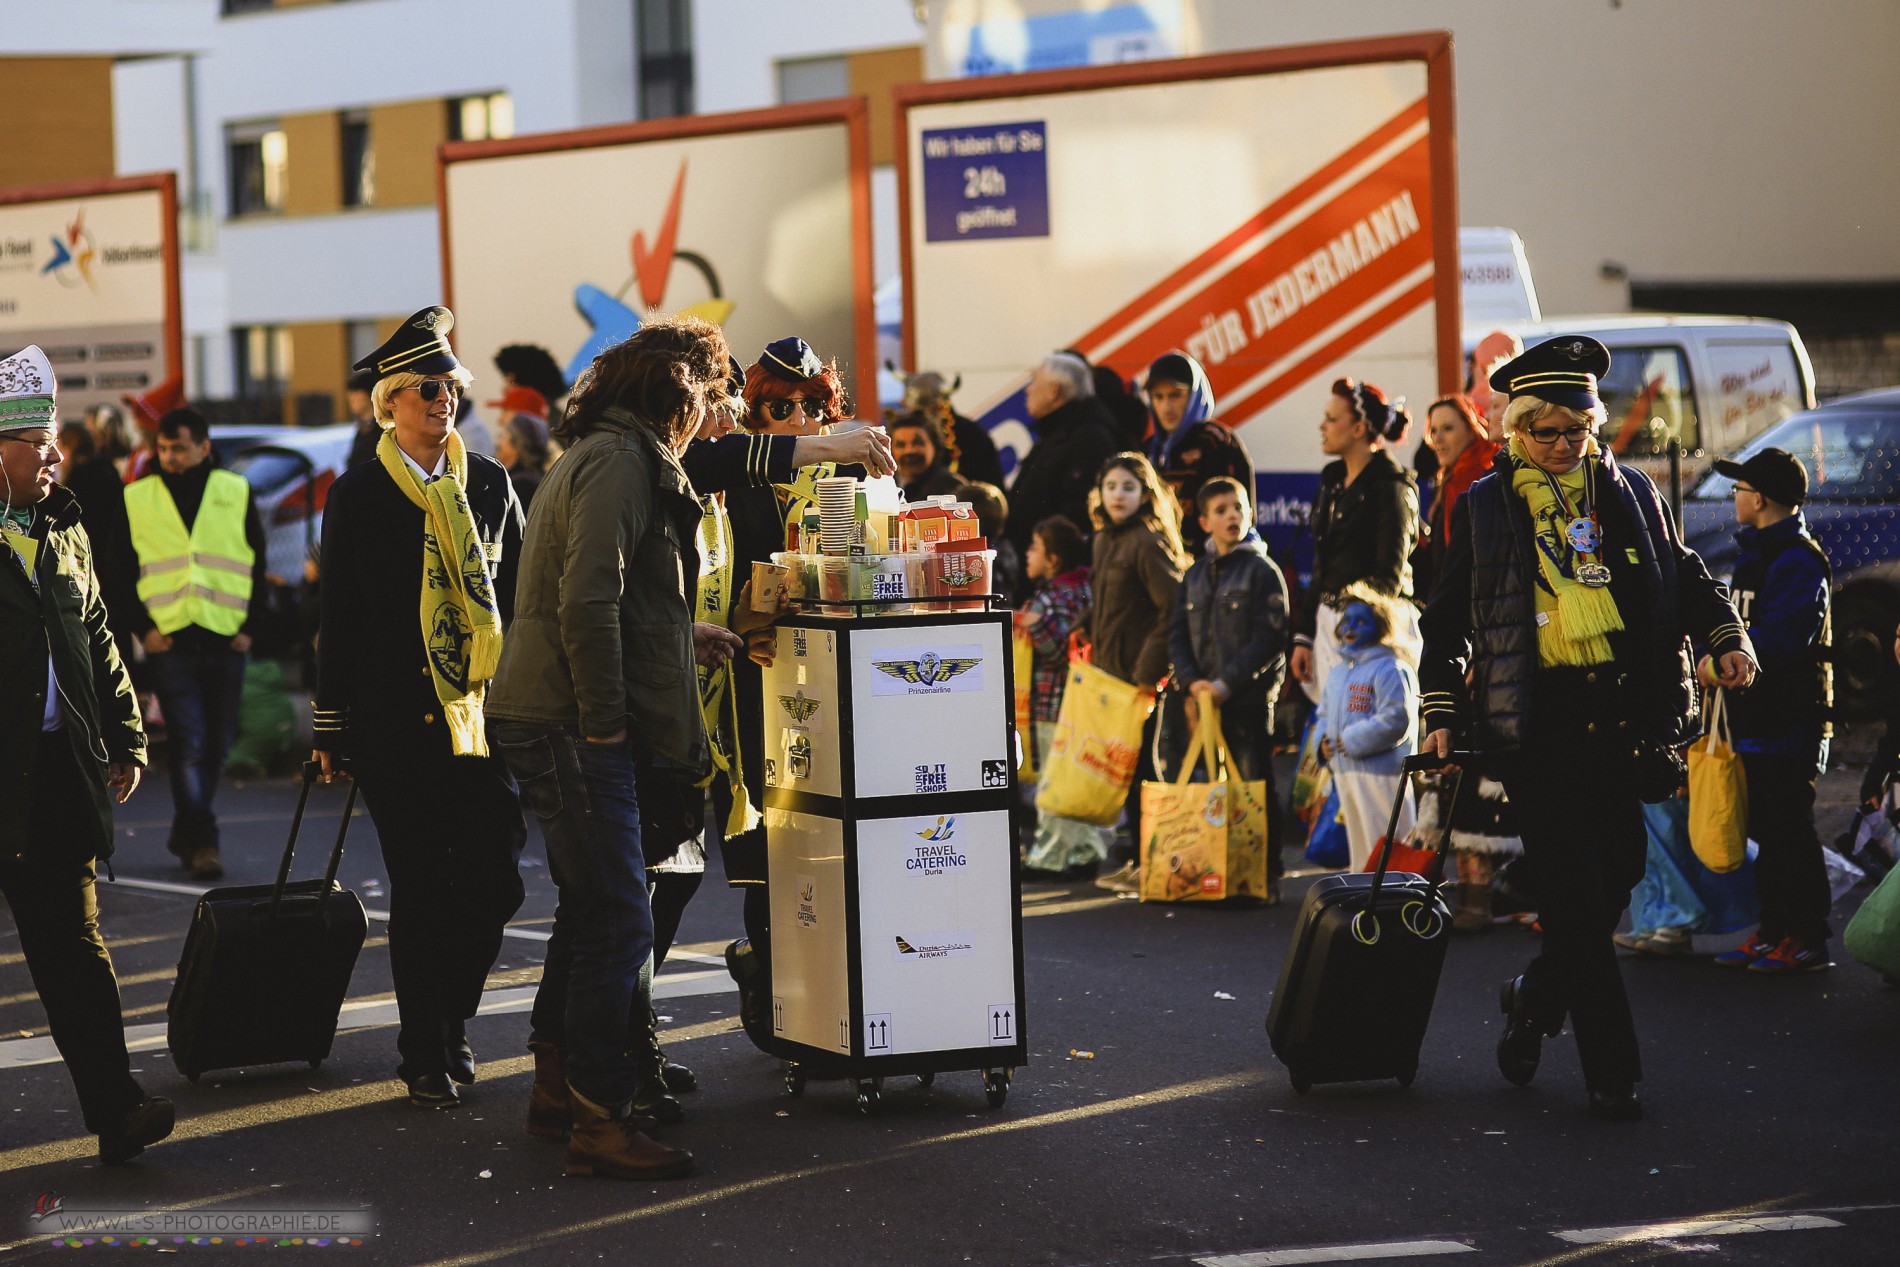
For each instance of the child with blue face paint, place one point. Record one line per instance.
(1368, 720)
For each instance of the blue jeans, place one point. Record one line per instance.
(199, 691)
(584, 795)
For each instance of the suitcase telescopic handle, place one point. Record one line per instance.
(1420, 763)
(311, 772)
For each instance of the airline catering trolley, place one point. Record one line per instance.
(890, 774)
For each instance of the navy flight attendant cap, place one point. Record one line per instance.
(1564, 371)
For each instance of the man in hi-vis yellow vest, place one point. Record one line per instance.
(189, 586)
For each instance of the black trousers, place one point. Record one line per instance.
(1585, 848)
(55, 906)
(1790, 874)
(451, 833)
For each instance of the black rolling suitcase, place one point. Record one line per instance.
(266, 966)
(1356, 990)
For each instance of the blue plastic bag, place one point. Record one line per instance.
(1677, 891)
(1327, 845)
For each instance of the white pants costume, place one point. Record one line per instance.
(1365, 802)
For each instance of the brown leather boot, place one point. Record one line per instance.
(607, 1144)
(548, 1111)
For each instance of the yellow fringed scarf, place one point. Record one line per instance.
(713, 605)
(1574, 621)
(461, 626)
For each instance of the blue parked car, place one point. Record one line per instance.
(1851, 447)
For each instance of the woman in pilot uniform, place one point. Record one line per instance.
(419, 556)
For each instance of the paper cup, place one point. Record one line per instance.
(771, 585)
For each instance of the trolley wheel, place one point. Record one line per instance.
(1302, 1084)
(926, 1080)
(996, 1086)
(870, 1097)
(794, 1081)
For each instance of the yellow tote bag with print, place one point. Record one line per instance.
(1718, 795)
(1091, 761)
(1024, 655)
(1203, 842)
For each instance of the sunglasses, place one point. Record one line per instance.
(430, 388)
(1550, 435)
(780, 410)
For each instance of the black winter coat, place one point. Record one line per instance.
(1072, 442)
(1229, 624)
(1363, 531)
(1482, 617)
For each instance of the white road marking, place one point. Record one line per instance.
(1338, 1254)
(20, 1053)
(1696, 1227)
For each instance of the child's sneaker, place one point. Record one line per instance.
(1633, 939)
(1791, 956)
(1745, 955)
(1666, 942)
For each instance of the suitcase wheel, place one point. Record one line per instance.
(1407, 1074)
(317, 1063)
(191, 1076)
(1301, 1083)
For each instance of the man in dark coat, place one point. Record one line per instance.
(69, 739)
(1074, 436)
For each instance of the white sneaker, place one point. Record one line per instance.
(1666, 942)
(1124, 879)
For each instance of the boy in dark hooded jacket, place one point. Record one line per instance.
(1227, 641)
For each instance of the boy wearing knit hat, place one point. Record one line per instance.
(69, 741)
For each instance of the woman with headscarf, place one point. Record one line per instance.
(1557, 644)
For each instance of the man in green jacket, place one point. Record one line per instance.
(69, 739)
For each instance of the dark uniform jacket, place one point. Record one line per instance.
(98, 712)
(1482, 617)
(1783, 587)
(603, 633)
(1229, 626)
(1363, 531)
(373, 682)
(1056, 475)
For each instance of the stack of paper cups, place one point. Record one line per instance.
(837, 499)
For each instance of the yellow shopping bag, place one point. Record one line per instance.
(1091, 761)
(1023, 653)
(1202, 842)
(1718, 795)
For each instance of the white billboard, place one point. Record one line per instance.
(759, 222)
(1286, 216)
(89, 271)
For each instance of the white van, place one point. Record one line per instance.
(1713, 382)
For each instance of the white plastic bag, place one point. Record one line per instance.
(1842, 875)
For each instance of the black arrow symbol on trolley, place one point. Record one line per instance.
(1001, 1023)
(879, 1032)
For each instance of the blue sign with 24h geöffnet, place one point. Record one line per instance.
(986, 182)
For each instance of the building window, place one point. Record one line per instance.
(813, 79)
(486, 118)
(260, 157)
(364, 337)
(262, 355)
(665, 49)
(359, 160)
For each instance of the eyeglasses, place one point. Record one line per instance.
(430, 388)
(1550, 435)
(47, 451)
(1743, 488)
(780, 410)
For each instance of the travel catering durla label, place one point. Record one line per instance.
(936, 853)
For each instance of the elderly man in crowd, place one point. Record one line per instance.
(69, 740)
(1074, 436)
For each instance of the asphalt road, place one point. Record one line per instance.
(1771, 1137)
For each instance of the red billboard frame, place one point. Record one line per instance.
(1433, 48)
(853, 112)
(165, 184)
